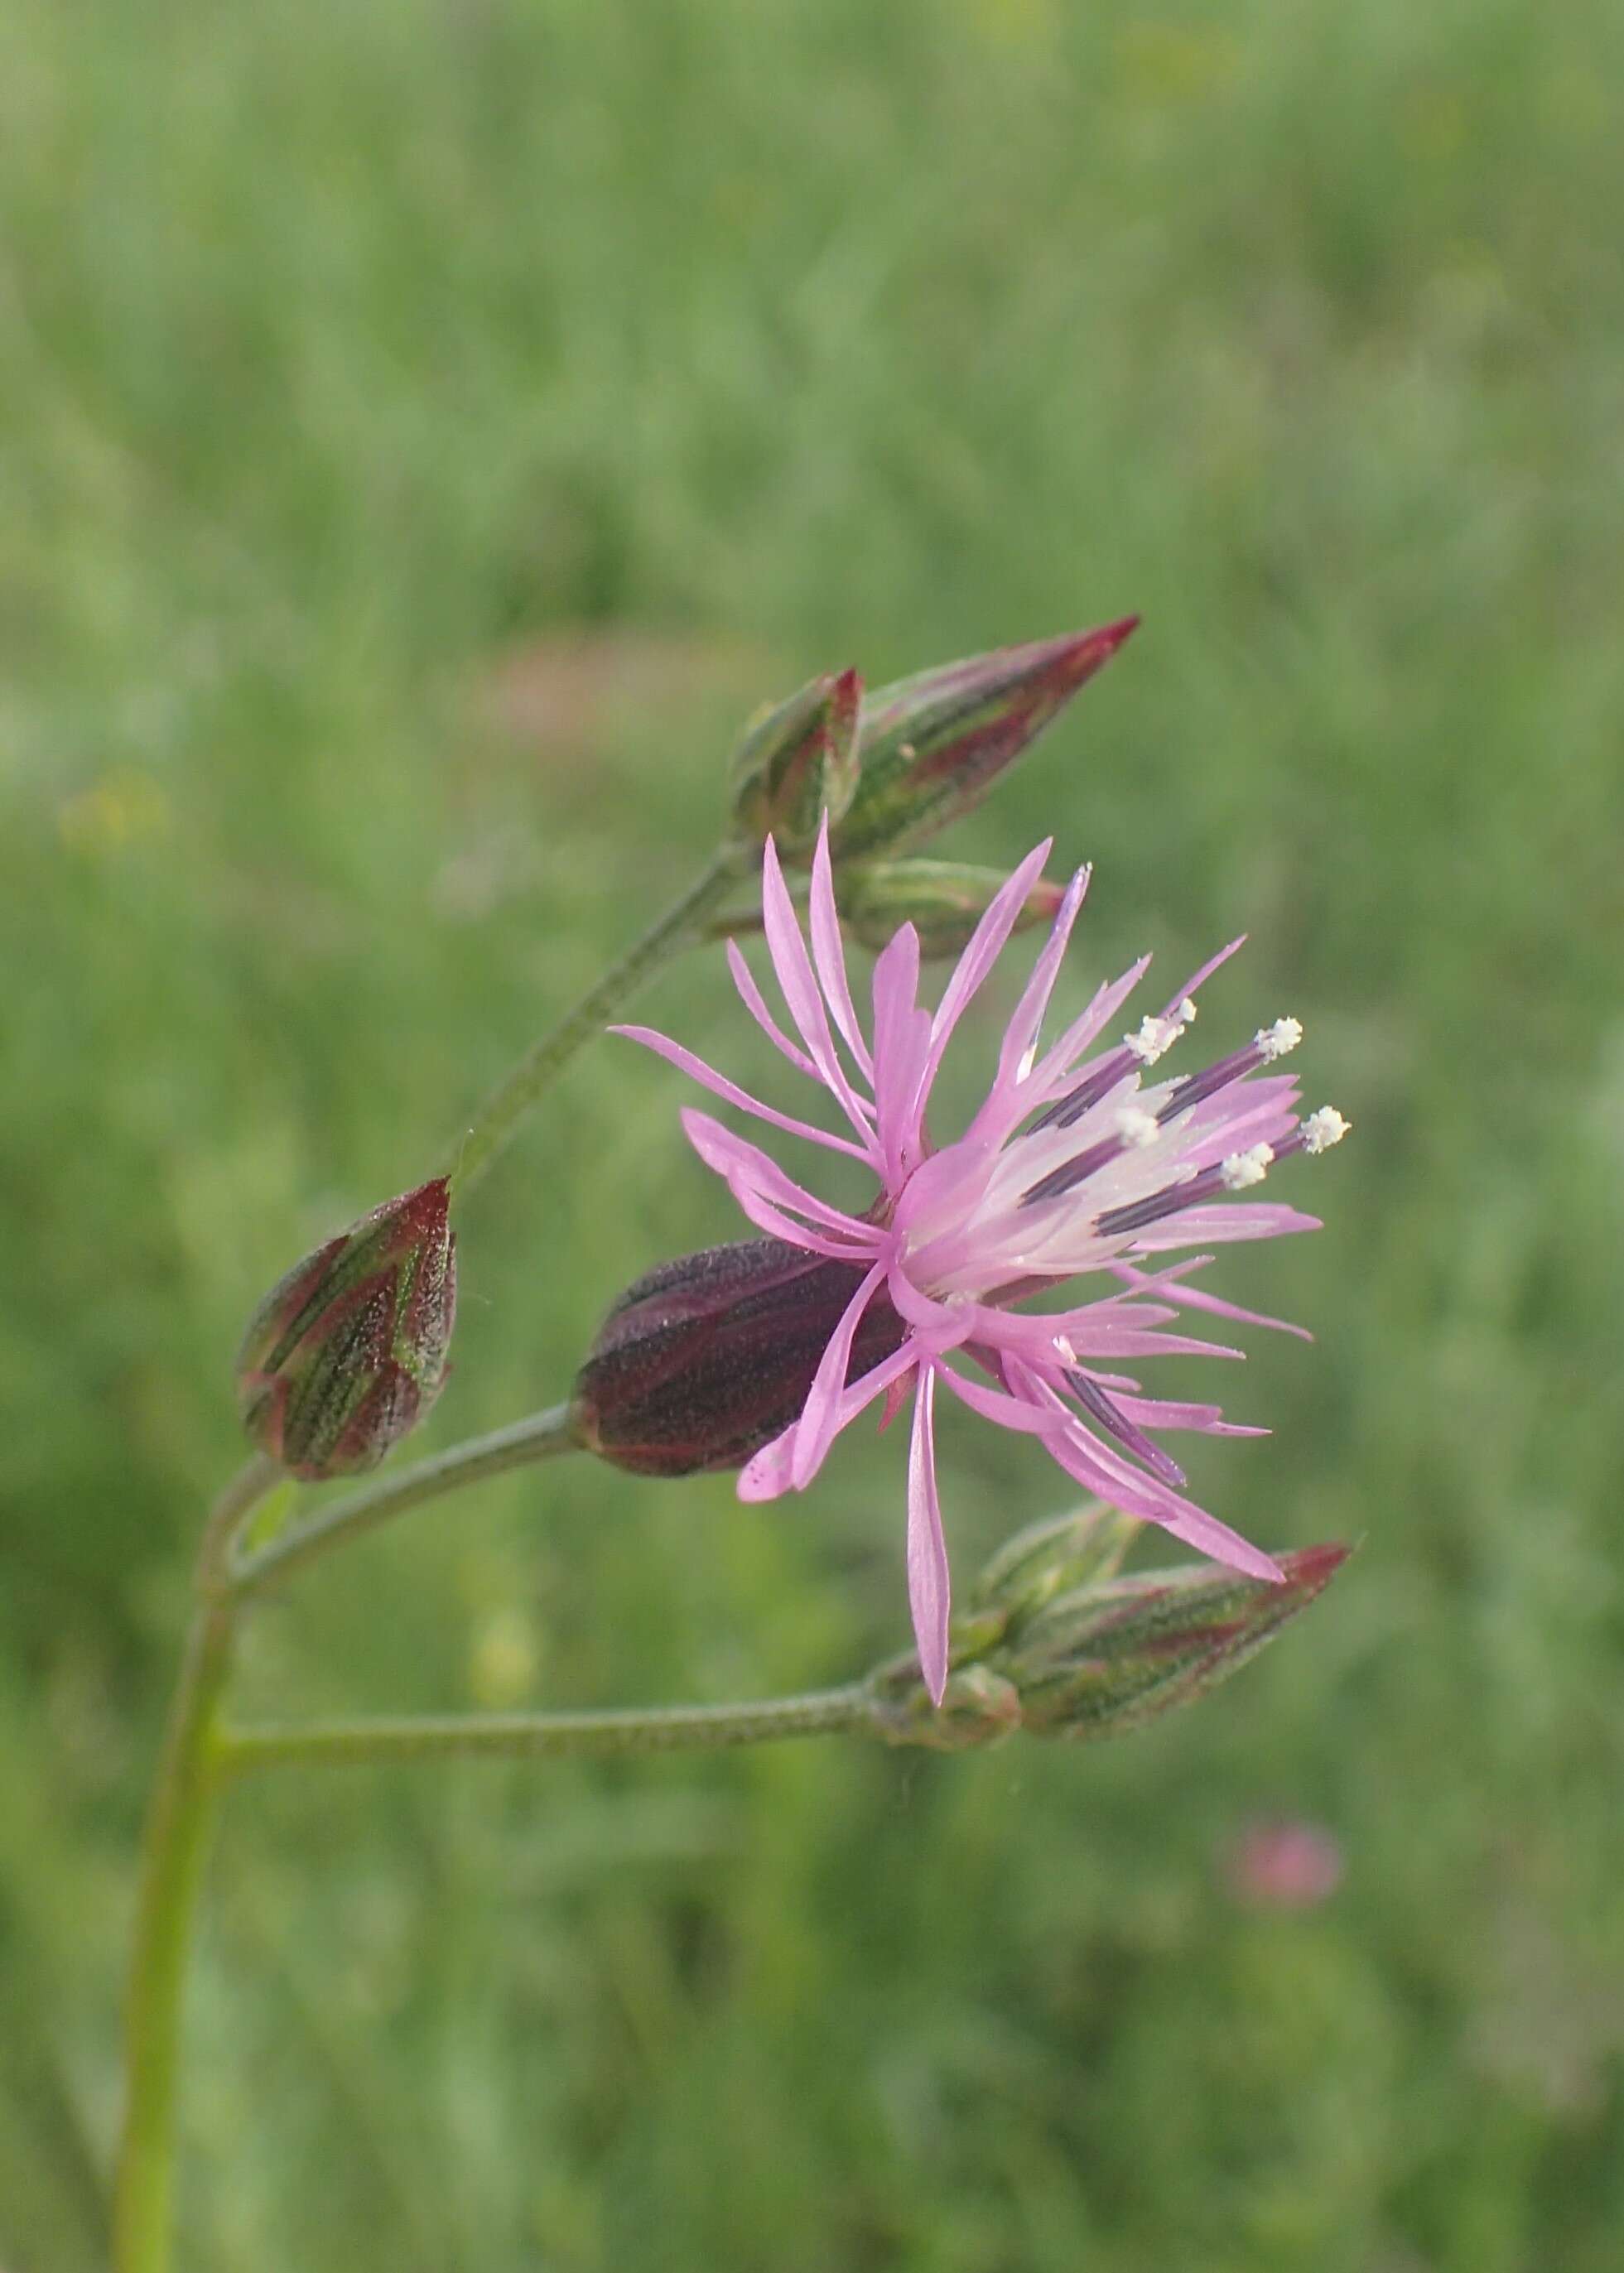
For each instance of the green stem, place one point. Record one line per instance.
(498, 1119)
(179, 1820)
(545, 1736)
(538, 1436)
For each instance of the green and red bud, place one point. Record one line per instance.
(931, 746)
(1110, 1657)
(1054, 1642)
(794, 762)
(703, 1361)
(943, 900)
(348, 1352)
(1055, 1556)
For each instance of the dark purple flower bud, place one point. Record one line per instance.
(794, 762)
(931, 746)
(705, 1359)
(348, 1352)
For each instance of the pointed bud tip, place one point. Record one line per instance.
(1307, 1571)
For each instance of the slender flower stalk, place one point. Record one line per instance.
(1078, 1164)
(179, 1821)
(499, 1118)
(539, 1436)
(543, 1735)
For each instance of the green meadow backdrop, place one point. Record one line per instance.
(428, 427)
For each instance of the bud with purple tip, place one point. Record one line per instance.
(932, 746)
(1054, 1643)
(347, 1353)
(1112, 1656)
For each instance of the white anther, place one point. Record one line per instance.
(1275, 1040)
(1153, 1039)
(1136, 1127)
(1028, 1059)
(1063, 1350)
(1248, 1167)
(1324, 1128)
(1185, 1012)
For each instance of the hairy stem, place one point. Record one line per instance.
(543, 1736)
(498, 1119)
(179, 1820)
(538, 1436)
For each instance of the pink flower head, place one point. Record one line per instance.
(1078, 1162)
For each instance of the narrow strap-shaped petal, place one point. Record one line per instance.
(1058, 1068)
(986, 943)
(773, 1221)
(719, 1085)
(828, 953)
(820, 1415)
(997, 1405)
(1199, 1226)
(1166, 1413)
(750, 996)
(901, 1039)
(1199, 978)
(1005, 1101)
(735, 1157)
(1083, 1457)
(801, 993)
(1196, 1298)
(929, 1593)
(1097, 1471)
(1027, 1023)
(766, 1475)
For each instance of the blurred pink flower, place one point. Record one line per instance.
(1074, 1164)
(1283, 1865)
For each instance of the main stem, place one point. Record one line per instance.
(547, 1735)
(179, 1820)
(498, 1119)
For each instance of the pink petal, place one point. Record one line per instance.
(997, 1405)
(766, 1475)
(1028, 1016)
(820, 1415)
(750, 995)
(1197, 1227)
(829, 954)
(793, 967)
(986, 943)
(1196, 1298)
(901, 1039)
(735, 1157)
(1097, 1472)
(928, 1585)
(1093, 1464)
(1058, 1069)
(773, 1220)
(730, 1093)
(1213, 962)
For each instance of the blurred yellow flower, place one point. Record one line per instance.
(126, 806)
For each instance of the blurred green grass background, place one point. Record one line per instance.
(427, 429)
